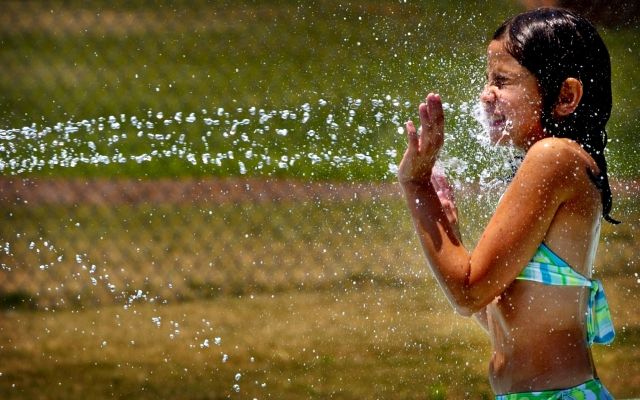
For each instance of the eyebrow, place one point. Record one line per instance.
(497, 75)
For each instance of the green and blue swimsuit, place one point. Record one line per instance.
(547, 268)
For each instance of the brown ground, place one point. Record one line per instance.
(215, 190)
(168, 191)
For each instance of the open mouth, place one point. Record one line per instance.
(496, 125)
(497, 122)
(499, 127)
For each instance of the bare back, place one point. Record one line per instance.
(538, 331)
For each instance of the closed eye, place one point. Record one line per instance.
(499, 81)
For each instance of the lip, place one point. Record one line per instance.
(496, 127)
(493, 118)
(497, 122)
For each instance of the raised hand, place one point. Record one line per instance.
(423, 147)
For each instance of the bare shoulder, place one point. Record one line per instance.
(559, 151)
(564, 153)
(558, 155)
(561, 164)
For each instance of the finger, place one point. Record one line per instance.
(412, 136)
(424, 126)
(443, 189)
(436, 117)
(439, 179)
(452, 213)
(436, 181)
(434, 103)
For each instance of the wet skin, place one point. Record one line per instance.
(511, 100)
(538, 331)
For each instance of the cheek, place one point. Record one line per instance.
(523, 105)
(535, 107)
(508, 104)
(532, 98)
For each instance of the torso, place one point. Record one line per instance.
(536, 344)
(538, 331)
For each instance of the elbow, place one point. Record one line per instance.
(474, 299)
(464, 311)
(474, 294)
(467, 294)
(470, 299)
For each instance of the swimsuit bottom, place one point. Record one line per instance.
(590, 390)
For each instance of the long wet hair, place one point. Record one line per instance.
(556, 44)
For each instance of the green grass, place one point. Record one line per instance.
(368, 341)
(194, 251)
(314, 299)
(70, 61)
(364, 342)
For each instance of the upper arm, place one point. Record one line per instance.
(543, 182)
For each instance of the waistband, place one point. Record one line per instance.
(592, 389)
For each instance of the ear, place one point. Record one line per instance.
(569, 97)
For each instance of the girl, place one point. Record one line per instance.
(528, 279)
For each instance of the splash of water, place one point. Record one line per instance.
(210, 138)
(357, 133)
(354, 133)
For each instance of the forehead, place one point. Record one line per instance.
(499, 59)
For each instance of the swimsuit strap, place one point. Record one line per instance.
(599, 325)
(547, 268)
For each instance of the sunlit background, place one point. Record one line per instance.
(199, 198)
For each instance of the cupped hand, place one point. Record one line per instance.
(423, 147)
(445, 195)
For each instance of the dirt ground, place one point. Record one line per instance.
(166, 191)
(207, 191)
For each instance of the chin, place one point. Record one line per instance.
(499, 137)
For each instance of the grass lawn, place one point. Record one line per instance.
(358, 341)
(309, 300)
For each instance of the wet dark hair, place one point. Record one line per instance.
(556, 44)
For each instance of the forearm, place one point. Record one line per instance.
(446, 256)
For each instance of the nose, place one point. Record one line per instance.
(488, 94)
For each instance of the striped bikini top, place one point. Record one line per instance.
(547, 268)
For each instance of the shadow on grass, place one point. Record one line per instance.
(16, 300)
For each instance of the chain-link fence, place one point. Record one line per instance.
(78, 243)
(106, 236)
(73, 59)
(75, 243)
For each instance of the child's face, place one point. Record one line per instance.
(511, 99)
